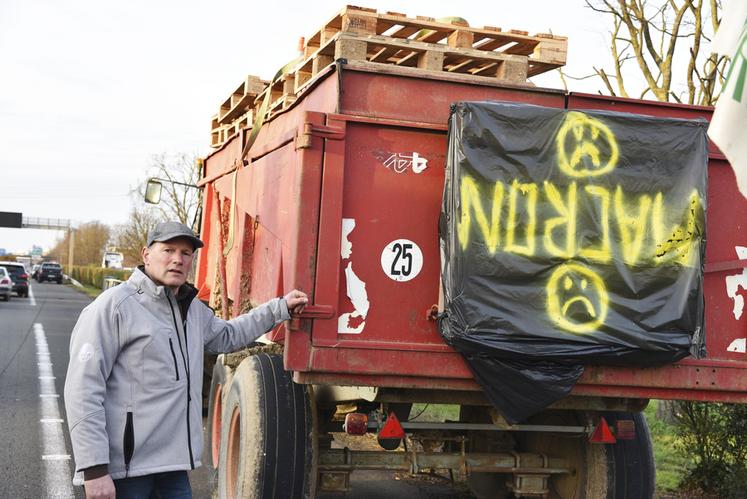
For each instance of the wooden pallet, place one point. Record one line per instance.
(407, 53)
(544, 51)
(241, 100)
(361, 35)
(220, 134)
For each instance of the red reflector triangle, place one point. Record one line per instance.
(392, 428)
(602, 433)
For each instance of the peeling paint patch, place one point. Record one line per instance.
(344, 324)
(734, 282)
(352, 322)
(356, 290)
(346, 247)
(739, 345)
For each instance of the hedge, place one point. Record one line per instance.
(94, 276)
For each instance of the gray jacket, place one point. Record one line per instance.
(134, 383)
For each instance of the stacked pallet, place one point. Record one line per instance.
(385, 40)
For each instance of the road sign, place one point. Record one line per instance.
(10, 219)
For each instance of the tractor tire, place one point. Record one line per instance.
(632, 460)
(267, 433)
(220, 384)
(624, 470)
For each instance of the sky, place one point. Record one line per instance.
(91, 90)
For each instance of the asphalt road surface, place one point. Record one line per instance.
(35, 450)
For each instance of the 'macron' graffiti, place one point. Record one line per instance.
(638, 229)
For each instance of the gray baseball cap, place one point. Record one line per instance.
(165, 231)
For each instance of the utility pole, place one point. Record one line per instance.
(71, 249)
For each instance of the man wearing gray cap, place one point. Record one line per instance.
(133, 386)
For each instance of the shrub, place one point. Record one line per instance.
(94, 276)
(716, 435)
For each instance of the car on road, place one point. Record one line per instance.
(6, 284)
(49, 272)
(19, 276)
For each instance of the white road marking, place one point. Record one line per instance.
(32, 300)
(54, 454)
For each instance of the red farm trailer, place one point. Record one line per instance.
(318, 200)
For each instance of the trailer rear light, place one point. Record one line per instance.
(625, 429)
(392, 428)
(355, 423)
(602, 433)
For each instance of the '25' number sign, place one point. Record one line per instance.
(402, 260)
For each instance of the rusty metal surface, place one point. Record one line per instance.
(497, 462)
(349, 155)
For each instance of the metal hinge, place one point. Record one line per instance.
(303, 137)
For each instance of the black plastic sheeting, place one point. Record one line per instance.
(568, 239)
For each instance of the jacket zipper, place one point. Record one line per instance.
(128, 443)
(173, 355)
(186, 369)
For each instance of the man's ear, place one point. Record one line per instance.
(145, 253)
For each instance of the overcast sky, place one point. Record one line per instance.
(90, 90)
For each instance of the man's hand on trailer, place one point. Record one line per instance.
(296, 301)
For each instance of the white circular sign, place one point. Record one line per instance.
(402, 260)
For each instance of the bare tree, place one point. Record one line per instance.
(131, 237)
(91, 239)
(178, 202)
(667, 40)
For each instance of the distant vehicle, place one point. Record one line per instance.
(49, 272)
(112, 260)
(35, 270)
(6, 285)
(25, 260)
(20, 277)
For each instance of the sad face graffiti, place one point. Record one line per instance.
(586, 146)
(577, 299)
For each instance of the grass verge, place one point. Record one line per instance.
(671, 462)
(85, 289)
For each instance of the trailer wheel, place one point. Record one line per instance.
(267, 434)
(624, 470)
(632, 460)
(220, 384)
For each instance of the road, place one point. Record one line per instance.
(35, 461)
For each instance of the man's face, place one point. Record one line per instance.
(168, 263)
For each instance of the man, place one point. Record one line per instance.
(133, 387)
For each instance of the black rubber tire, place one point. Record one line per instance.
(632, 461)
(6, 297)
(624, 470)
(220, 384)
(267, 431)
